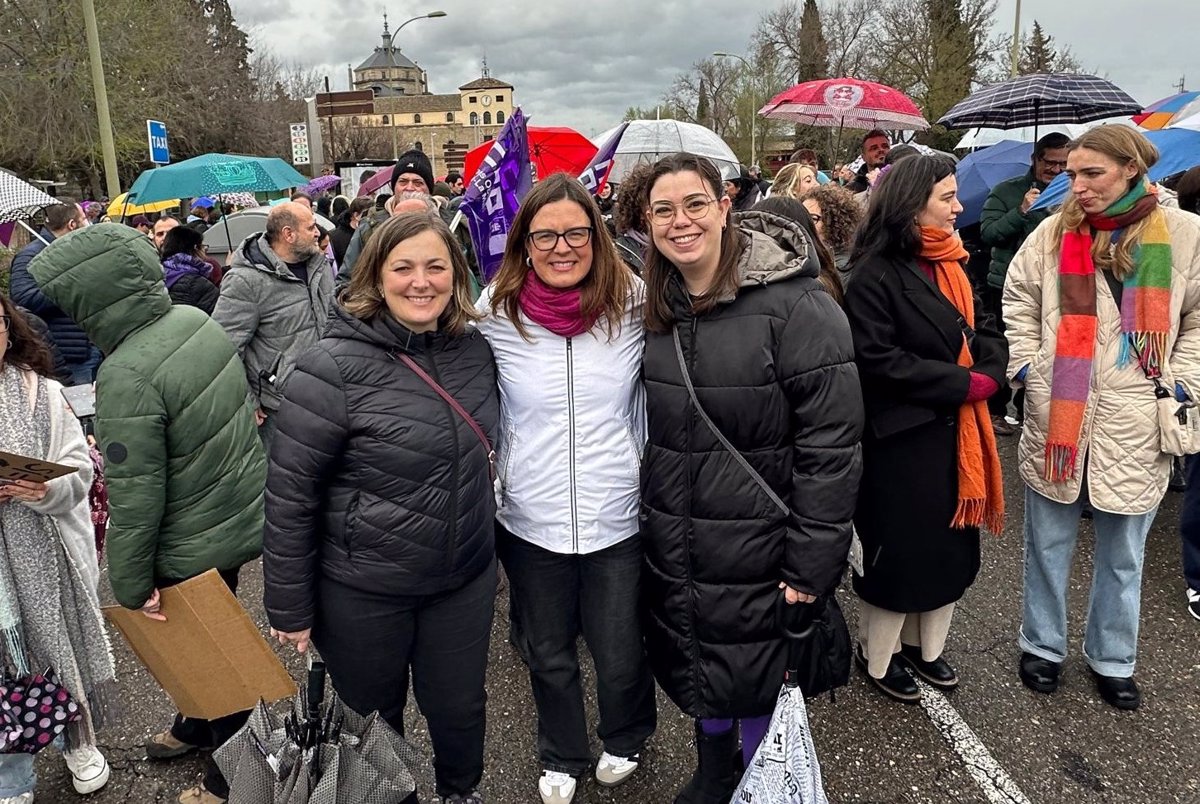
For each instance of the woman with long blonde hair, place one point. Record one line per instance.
(1101, 304)
(794, 181)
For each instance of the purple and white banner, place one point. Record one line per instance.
(494, 194)
(596, 175)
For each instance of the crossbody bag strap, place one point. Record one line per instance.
(459, 409)
(737, 456)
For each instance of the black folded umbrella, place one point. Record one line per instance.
(317, 753)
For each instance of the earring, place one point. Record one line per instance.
(528, 262)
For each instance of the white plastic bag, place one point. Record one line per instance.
(785, 769)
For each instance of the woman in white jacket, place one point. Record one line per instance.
(563, 317)
(49, 605)
(1100, 298)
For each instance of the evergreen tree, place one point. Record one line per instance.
(1038, 54)
(812, 60)
(703, 114)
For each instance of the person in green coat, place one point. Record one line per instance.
(1008, 218)
(184, 465)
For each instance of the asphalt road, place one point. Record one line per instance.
(1069, 747)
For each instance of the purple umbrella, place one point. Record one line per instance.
(322, 184)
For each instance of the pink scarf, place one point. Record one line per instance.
(556, 310)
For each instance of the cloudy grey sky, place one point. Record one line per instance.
(582, 64)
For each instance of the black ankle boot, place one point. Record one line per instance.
(714, 780)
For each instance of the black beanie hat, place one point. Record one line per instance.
(414, 162)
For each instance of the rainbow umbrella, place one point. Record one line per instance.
(1162, 113)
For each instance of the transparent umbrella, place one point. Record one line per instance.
(647, 141)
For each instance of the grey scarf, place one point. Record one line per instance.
(46, 615)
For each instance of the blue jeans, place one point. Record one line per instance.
(1051, 529)
(16, 774)
(1189, 525)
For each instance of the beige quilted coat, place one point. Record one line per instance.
(1126, 471)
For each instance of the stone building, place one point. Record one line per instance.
(404, 114)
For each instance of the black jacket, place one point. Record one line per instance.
(774, 369)
(69, 340)
(374, 481)
(196, 291)
(340, 237)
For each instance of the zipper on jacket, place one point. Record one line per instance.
(452, 520)
(571, 445)
(691, 361)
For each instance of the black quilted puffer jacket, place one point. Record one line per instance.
(774, 369)
(374, 481)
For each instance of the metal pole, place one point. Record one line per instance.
(753, 104)
(1016, 45)
(107, 145)
(432, 15)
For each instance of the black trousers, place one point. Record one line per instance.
(557, 597)
(998, 403)
(209, 734)
(370, 642)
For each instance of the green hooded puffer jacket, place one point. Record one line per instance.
(184, 465)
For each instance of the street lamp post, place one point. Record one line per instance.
(432, 15)
(107, 145)
(720, 54)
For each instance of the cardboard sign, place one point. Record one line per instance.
(20, 467)
(209, 655)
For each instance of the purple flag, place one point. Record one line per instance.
(596, 174)
(494, 195)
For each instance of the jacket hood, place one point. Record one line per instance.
(106, 278)
(778, 249)
(255, 253)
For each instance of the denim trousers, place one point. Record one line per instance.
(1189, 524)
(374, 644)
(16, 774)
(1114, 606)
(558, 597)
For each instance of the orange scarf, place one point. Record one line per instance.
(980, 485)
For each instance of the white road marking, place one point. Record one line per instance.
(997, 786)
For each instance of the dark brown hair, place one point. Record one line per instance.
(1188, 188)
(363, 299)
(629, 215)
(606, 288)
(26, 349)
(659, 270)
(840, 213)
(794, 210)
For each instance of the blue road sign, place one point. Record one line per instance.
(156, 134)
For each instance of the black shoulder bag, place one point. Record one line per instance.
(817, 636)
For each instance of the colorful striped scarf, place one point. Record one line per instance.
(1145, 318)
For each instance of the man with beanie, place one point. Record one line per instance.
(412, 173)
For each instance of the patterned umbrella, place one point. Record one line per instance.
(1033, 100)
(19, 199)
(1167, 111)
(214, 174)
(322, 184)
(846, 103)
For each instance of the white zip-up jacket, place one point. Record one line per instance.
(572, 430)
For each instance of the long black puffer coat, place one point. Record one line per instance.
(374, 481)
(774, 369)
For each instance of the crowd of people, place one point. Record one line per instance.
(673, 418)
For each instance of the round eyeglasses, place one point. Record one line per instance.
(695, 207)
(547, 240)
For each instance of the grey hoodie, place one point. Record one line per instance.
(270, 315)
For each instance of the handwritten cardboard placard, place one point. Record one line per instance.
(20, 467)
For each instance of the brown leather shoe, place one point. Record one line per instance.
(164, 746)
(199, 795)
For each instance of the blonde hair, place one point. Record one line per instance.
(1125, 146)
(788, 180)
(363, 299)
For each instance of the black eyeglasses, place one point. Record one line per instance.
(546, 240)
(4, 322)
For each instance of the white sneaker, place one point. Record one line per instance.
(612, 771)
(24, 798)
(89, 769)
(1193, 597)
(556, 788)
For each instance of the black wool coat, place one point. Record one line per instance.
(774, 370)
(373, 480)
(907, 337)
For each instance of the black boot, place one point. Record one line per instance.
(714, 780)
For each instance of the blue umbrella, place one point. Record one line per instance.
(982, 170)
(214, 175)
(1178, 150)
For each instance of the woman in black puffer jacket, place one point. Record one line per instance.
(380, 506)
(769, 353)
(187, 275)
